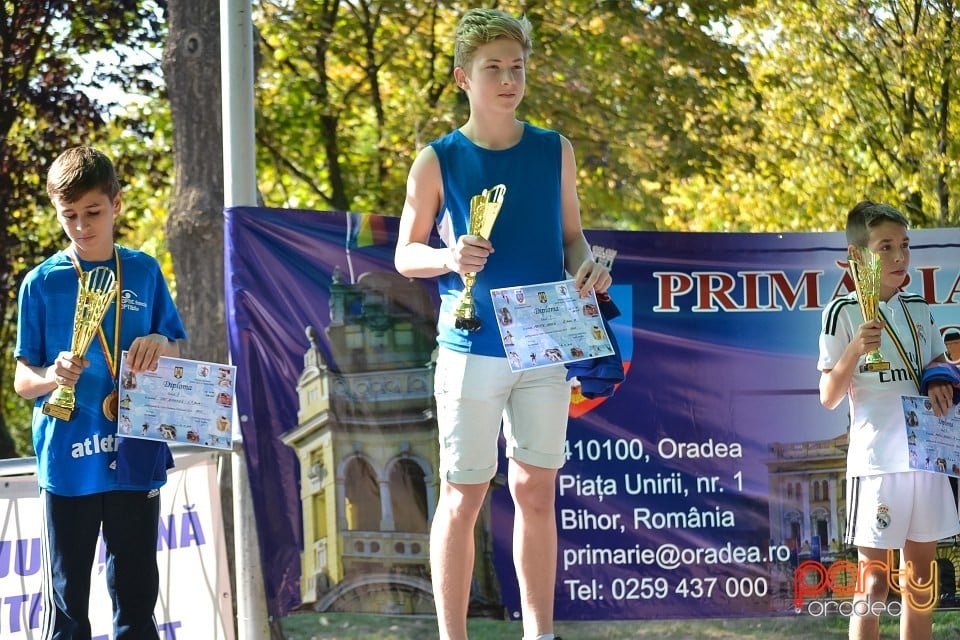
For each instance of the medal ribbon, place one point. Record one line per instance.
(899, 344)
(112, 355)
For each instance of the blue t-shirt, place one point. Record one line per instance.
(527, 236)
(80, 457)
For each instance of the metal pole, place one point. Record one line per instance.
(236, 59)
(240, 189)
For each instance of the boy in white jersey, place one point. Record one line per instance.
(537, 238)
(888, 505)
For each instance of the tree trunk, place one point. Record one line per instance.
(194, 230)
(8, 448)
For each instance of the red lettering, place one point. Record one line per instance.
(808, 281)
(928, 284)
(953, 291)
(715, 288)
(845, 284)
(671, 285)
(751, 287)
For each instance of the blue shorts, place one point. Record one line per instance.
(475, 394)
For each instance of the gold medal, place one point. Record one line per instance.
(111, 405)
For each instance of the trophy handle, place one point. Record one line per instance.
(865, 271)
(491, 201)
(484, 209)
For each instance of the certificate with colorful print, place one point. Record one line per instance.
(184, 401)
(933, 444)
(548, 324)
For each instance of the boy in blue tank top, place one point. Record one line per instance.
(537, 238)
(89, 478)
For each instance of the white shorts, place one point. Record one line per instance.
(884, 511)
(476, 393)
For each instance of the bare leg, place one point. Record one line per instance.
(452, 553)
(873, 586)
(919, 593)
(535, 544)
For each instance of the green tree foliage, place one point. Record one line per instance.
(44, 108)
(849, 100)
(350, 91)
(746, 115)
(633, 85)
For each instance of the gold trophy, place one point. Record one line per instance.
(96, 289)
(484, 209)
(865, 270)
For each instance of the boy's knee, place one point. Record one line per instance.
(462, 501)
(875, 585)
(533, 497)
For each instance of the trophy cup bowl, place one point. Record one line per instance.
(484, 209)
(96, 289)
(865, 271)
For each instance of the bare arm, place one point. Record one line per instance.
(835, 382)
(30, 381)
(415, 258)
(577, 256)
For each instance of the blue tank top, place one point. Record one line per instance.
(527, 237)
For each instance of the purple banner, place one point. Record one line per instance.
(695, 491)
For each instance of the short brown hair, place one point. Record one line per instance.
(865, 215)
(480, 26)
(79, 170)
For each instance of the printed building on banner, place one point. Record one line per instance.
(807, 484)
(808, 506)
(366, 440)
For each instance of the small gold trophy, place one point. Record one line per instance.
(95, 291)
(484, 209)
(865, 270)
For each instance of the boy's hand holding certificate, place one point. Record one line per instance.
(933, 443)
(182, 401)
(547, 324)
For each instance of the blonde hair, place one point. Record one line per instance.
(480, 26)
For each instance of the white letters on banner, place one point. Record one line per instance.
(195, 597)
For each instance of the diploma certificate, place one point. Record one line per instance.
(933, 444)
(182, 401)
(547, 324)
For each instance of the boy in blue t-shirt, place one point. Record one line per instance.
(89, 478)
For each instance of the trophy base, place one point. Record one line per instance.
(468, 324)
(56, 411)
(875, 366)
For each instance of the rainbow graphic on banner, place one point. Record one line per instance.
(367, 229)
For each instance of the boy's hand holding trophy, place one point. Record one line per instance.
(865, 270)
(96, 289)
(484, 209)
